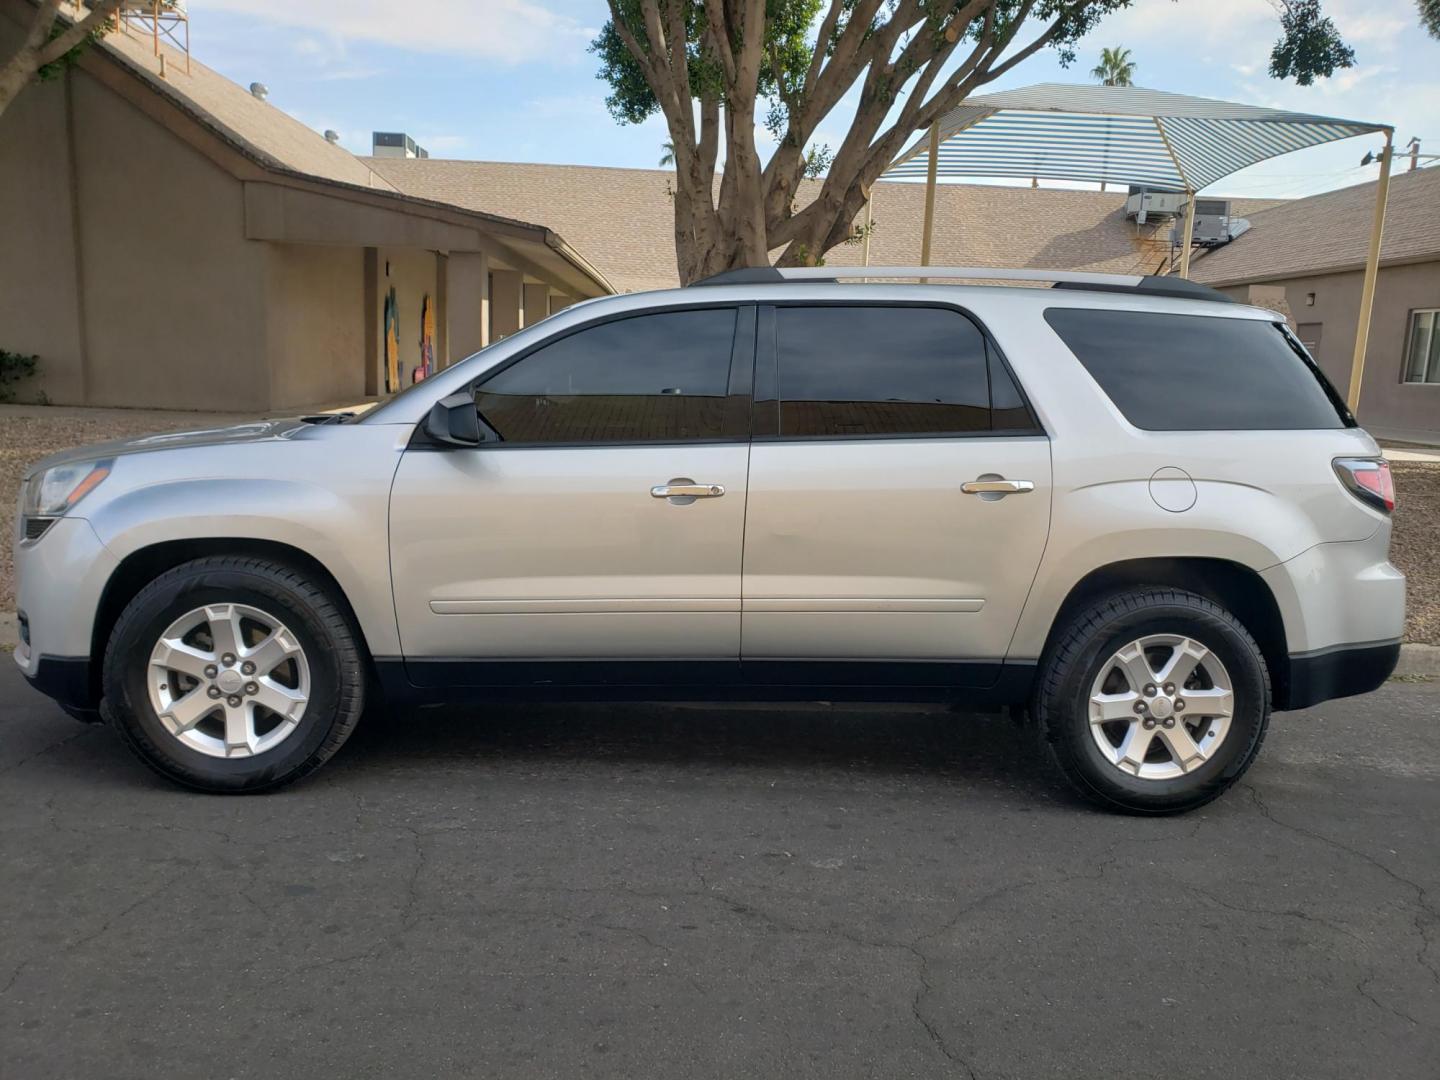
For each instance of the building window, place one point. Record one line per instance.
(1422, 355)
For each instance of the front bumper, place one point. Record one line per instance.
(1336, 672)
(66, 679)
(60, 580)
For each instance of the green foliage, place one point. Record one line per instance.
(1115, 67)
(57, 68)
(817, 160)
(1310, 44)
(1430, 16)
(14, 368)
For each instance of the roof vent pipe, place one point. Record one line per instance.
(331, 135)
(260, 90)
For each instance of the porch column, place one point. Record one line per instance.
(506, 299)
(467, 297)
(537, 303)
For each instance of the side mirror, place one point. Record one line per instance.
(455, 421)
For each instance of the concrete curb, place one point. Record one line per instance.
(1416, 661)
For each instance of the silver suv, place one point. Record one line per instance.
(1126, 504)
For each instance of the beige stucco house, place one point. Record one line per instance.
(1307, 257)
(172, 240)
(623, 218)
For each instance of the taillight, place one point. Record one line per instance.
(1369, 481)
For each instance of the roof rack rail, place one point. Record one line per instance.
(1147, 284)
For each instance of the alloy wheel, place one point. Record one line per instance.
(1161, 706)
(229, 680)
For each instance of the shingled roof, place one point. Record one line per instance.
(265, 131)
(623, 218)
(1330, 233)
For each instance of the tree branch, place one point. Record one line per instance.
(722, 37)
(77, 32)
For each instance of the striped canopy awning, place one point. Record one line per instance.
(1121, 134)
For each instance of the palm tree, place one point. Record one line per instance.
(667, 154)
(1115, 67)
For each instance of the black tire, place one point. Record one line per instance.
(1074, 660)
(336, 661)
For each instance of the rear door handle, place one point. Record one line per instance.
(997, 487)
(685, 488)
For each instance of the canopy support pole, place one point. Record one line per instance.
(930, 172)
(1372, 271)
(1187, 241)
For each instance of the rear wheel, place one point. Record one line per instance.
(232, 674)
(1153, 701)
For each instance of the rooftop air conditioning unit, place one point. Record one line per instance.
(395, 144)
(1212, 222)
(1144, 201)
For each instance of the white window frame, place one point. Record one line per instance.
(1430, 375)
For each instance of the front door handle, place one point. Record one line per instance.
(683, 487)
(997, 487)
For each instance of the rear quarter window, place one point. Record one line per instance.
(1199, 372)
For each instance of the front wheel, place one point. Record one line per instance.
(232, 674)
(1153, 701)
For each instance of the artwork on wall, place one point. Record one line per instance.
(392, 342)
(427, 340)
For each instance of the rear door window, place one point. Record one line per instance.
(1197, 372)
(873, 371)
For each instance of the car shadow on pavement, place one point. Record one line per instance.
(918, 743)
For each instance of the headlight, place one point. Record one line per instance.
(53, 492)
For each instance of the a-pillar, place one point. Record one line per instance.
(506, 300)
(537, 302)
(467, 300)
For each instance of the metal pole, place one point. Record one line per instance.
(930, 193)
(1372, 271)
(1188, 240)
(865, 242)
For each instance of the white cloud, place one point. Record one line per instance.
(507, 31)
(1366, 24)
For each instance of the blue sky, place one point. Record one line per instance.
(511, 80)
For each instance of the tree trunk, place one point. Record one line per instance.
(16, 74)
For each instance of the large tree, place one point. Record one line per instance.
(713, 68)
(47, 43)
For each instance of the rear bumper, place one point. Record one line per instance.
(1336, 672)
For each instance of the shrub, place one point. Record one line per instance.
(14, 368)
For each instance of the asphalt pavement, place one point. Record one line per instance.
(650, 891)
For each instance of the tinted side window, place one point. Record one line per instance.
(653, 378)
(1008, 411)
(883, 371)
(1197, 372)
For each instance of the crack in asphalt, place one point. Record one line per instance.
(912, 946)
(80, 942)
(1425, 916)
(88, 729)
(1361, 987)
